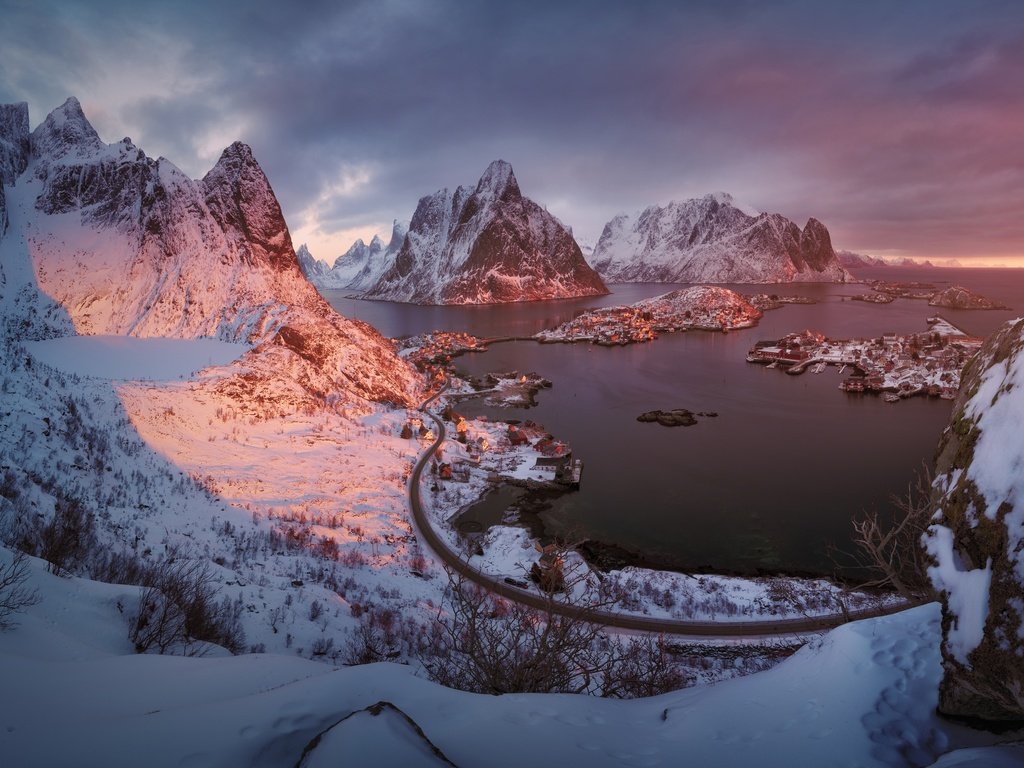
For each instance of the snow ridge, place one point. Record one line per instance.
(714, 240)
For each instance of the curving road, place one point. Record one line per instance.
(766, 629)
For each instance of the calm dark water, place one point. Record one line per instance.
(766, 485)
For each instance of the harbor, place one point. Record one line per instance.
(898, 366)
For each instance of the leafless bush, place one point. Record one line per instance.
(485, 643)
(315, 610)
(643, 667)
(68, 537)
(891, 549)
(14, 595)
(178, 610)
(383, 635)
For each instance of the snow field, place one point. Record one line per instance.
(861, 696)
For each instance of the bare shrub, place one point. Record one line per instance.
(68, 537)
(14, 595)
(381, 636)
(891, 549)
(178, 610)
(643, 667)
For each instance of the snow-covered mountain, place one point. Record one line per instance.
(311, 267)
(485, 245)
(359, 268)
(714, 240)
(851, 260)
(128, 245)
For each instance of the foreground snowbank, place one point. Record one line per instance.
(862, 695)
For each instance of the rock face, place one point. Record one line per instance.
(958, 297)
(977, 540)
(360, 267)
(14, 150)
(712, 240)
(486, 245)
(129, 245)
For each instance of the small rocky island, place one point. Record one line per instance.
(958, 297)
(953, 297)
(678, 417)
(700, 307)
(769, 301)
(508, 389)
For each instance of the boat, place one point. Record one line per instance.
(891, 397)
(819, 367)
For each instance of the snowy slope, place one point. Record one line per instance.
(862, 696)
(282, 442)
(713, 239)
(484, 245)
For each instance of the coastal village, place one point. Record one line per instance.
(520, 452)
(897, 366)
(432, 353)
(699, 307)
(481, 453)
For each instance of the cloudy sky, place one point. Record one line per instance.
(898, 124)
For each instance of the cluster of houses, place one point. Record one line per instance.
(432, 353)
(554, 463)
(414, 427)
(927, 363)
(608, 327)
(702, 307)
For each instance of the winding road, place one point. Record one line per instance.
(765, 629)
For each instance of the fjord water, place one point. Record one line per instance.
(770, 482)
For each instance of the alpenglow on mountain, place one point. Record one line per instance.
(127, 245)
(486, 245)
(713, 240)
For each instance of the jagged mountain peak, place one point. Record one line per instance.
(498, 180)
(399, 230)
(724, 198)
(65, 130)
(234, 162)
(239, 196)
(714, 239)
(486, 244)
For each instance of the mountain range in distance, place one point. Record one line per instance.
(490, 244)
(851, 260)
